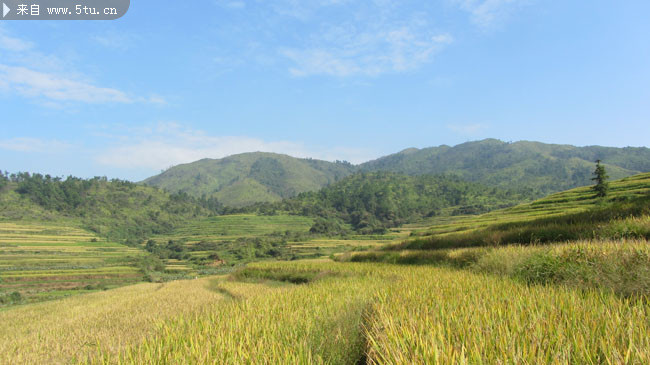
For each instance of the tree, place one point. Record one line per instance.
(602, 186)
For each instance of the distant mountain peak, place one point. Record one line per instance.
(250, 177)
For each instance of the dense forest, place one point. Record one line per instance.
(373, 202)
(116, 209)
(366, 202)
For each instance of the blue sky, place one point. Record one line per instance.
(329, 79)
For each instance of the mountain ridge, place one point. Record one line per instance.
(534, 167)
(247, 178)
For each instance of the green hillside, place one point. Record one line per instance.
(569, 215)
(373, 202)
(539, 167)
(114, 209)
(248, 178)
(535, 169)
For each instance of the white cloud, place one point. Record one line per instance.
(12, 44)
(369, 53)
(362, 38)
(487, 13)
(467, 129)
(54, 87)
(169, 144)
(52, 82)
(26, 144)
(115, 40)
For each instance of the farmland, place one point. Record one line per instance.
(342, 314)
(43, 261)
(240, 238)
(443, 290)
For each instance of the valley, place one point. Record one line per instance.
(375, 268)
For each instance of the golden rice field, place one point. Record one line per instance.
(43, 261)
(74, 328)
(347, 313)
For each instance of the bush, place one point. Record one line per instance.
(12, 298)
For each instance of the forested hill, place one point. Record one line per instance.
(372, 202)
(534, 168)
(544, 168)
(248, 178)
(115, 209)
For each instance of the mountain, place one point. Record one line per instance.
(538, 167)
(248, 178)
(535, 169)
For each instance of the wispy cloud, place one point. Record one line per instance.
(116, 40)
(487, 13)
(51, 86)
(467, 129)
(13, 44)
(362, 38)
(346, 38)
(168, 144)
(27, 144)
(45, 78)
(394, 50)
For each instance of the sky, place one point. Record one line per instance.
(174, 82)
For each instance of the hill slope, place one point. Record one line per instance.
(115, 209)
(375, 201)
(569, 215)
(544, 168)
(248, 178)
(535, 169)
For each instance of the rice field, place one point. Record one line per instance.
(230, 227)
(41, 261)
(343, 313)
(228, 234)
(76, 328)
(325, 247)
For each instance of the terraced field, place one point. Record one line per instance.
(558, 204)
(229, 227)
(229, 235)
(322, 247)
(41, 261)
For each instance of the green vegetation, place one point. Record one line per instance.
(249, 178)
(204, 245)
(549, 298)
(564, 278)
(532, 167)
(117, 210)
(602, 186)
(572, 215)
(39, 262)
(373, 202)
